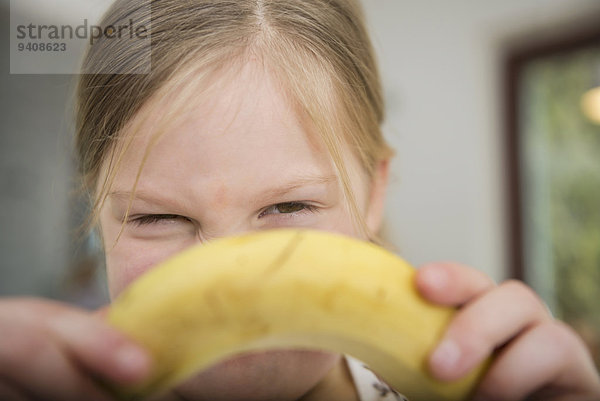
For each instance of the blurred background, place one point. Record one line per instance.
(490, 106)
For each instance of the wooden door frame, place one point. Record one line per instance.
(515, 61)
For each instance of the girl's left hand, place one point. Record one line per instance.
(537, 357)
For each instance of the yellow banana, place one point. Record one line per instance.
(285, 289)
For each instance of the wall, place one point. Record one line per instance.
(441, 62)
(35, 168)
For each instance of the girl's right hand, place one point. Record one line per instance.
(52, 351)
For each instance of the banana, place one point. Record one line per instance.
(285, 288)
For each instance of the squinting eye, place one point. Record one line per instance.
(155, 218)
(287, 208)
(290, 207)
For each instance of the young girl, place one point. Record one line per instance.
(256, 114)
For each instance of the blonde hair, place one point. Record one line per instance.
(318, 50)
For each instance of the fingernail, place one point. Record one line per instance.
(436, 277)
(446, 357)
(132, 362)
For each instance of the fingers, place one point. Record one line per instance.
(100, 348)
(484, 325)
(553, 357)
(451, 284)
(56, 352)
(50, 375)
(537, 356)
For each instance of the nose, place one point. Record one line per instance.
(225, 223)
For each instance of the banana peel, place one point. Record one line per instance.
(281, 289)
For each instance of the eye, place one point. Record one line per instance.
(148, 219)
(287, 208)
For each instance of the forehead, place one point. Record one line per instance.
(239, 127)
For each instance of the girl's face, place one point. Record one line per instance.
(243, 160)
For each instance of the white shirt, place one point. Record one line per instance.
(368, 385)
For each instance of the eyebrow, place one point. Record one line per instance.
(271, 193)
(298, 182)
(144, 196)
